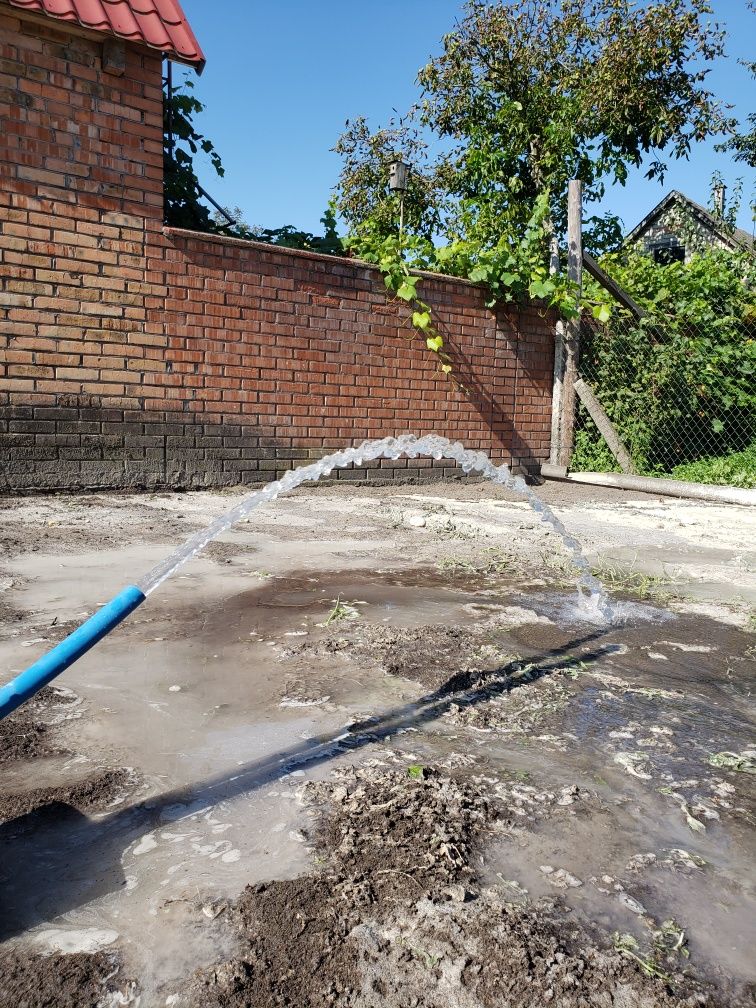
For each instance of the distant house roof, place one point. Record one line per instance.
(160, 24)
(736, 237)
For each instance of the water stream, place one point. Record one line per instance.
(593, 599)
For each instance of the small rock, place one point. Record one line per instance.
(640, 861)
(705, 811)
(568, 795)
(633, 905)
(456, 893)
(563, 879)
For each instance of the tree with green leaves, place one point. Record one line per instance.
(233, 216)
(363, 193)
(526, 95)
(742, 145)
(530, 94)
(288, 236)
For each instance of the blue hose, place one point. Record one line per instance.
(39, 674)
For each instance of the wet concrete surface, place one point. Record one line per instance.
(277, 658)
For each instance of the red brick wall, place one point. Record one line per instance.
(134, 356)
(293, 353)
(80, 200)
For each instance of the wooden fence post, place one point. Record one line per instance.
(556, 391)
(605, 426)
(572, 326)
(556, 394)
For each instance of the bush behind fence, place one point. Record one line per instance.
(681, 395)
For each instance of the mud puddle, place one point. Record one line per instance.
(649, 723)
(600, 752)
(402, 598)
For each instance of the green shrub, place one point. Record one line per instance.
(678, 385)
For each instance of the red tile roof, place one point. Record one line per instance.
(160, 24)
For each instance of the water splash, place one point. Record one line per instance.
(594, 602)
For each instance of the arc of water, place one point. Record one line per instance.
(432, 445)
(593, 596)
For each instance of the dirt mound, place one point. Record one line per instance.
(387, 830)
(440, 658)
(496, 701)
(471, 674)
(94, 792)
(487, 953)
(396, 919)
(437, 657)
(388, 837)
(78, 980)
(28, 732)
(32, 732)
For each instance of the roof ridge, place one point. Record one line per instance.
(735, 234)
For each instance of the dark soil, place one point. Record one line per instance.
(25, 734)
(471, 671)
(9, 613)
(30, 733)
(226, 553)
(393, 828)
(94, 792)
(440, 658)
(397, 919)
(29, 979)
(430, 654)
(87, 521)
(79, 980)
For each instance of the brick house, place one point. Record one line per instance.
(677, 228)
(137, 355)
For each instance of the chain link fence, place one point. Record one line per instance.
(681, 396)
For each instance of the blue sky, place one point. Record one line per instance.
(282, 76)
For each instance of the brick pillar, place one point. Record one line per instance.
(80, 198)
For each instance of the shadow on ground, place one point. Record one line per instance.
(55, 859)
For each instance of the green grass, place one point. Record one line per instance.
(628, 580)
(738, 470)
